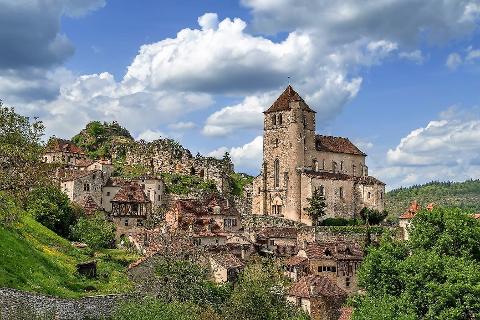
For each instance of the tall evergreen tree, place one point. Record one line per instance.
(317, 205)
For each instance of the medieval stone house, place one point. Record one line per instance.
(296, 161)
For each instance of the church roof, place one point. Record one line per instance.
(283, 101)
(337, 145)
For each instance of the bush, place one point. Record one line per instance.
(9, 211)
(96, 232)
(52, 208)
(157, 310)
(372, 216)
(339, 222)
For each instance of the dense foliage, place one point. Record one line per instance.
(97, 138)
(372, 216)
(186, 292)
(185, 184)
(20, 151)
(465, 195)
(317, 205)
(52, 208)
(96, 231)
(432, 276)
(259, 295)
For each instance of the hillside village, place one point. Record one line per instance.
(313, 209)
(144, 204)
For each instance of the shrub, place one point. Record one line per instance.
(96, 232)
(52, 208)
(372, 216)
(339, 222)
(9, 211)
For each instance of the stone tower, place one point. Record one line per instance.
(289, 131)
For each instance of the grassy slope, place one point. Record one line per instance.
(456, 194)
(33, 258)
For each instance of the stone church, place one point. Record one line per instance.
(296, 161)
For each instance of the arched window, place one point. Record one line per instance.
(276, 170)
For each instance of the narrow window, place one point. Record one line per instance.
(321, 190)
(314, 165)
(274, 120)
(353, 170)
(277, 173)
(341, 165)
(347, 282)
(368, 195)
(108, 193)
(126, 222)
(381, 195)
(341, 192)
(334, 166)
(304, 121)
(323, 164)
(280, 120)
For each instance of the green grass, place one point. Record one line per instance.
(185, 184)
(33, 258)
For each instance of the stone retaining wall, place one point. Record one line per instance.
(17, 305)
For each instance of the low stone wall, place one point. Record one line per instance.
(17, 305)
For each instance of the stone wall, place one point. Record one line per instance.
(17, 305)
(166, 155)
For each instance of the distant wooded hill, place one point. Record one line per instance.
(447, 194)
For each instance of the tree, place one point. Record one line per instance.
(259, 295)
(96, 231)
(52, 208)
(316, 210)
(20, 152)
(432, 276)
(372, 216)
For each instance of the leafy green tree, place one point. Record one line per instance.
(432, 276)
(447, 232)
(9, 211)
(182, 280)
(52, 208)
(97, 232)
(317, 205)
(20, 152)
(154, 309)
(260, 294)
(372, 216)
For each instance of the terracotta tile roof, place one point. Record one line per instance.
(283, 101)
(334, 250)
(73, 174)
(346, 313)
(295, 261)
(315, 286)
(411, 211)
(115, 182)
(89, 204)
(228, 260)
(131, 193)
(337, 145)
(205, 206)
(368, 180)
(83, 162)
(278, 232)
(61, 145)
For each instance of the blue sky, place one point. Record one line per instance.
(400, 79)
